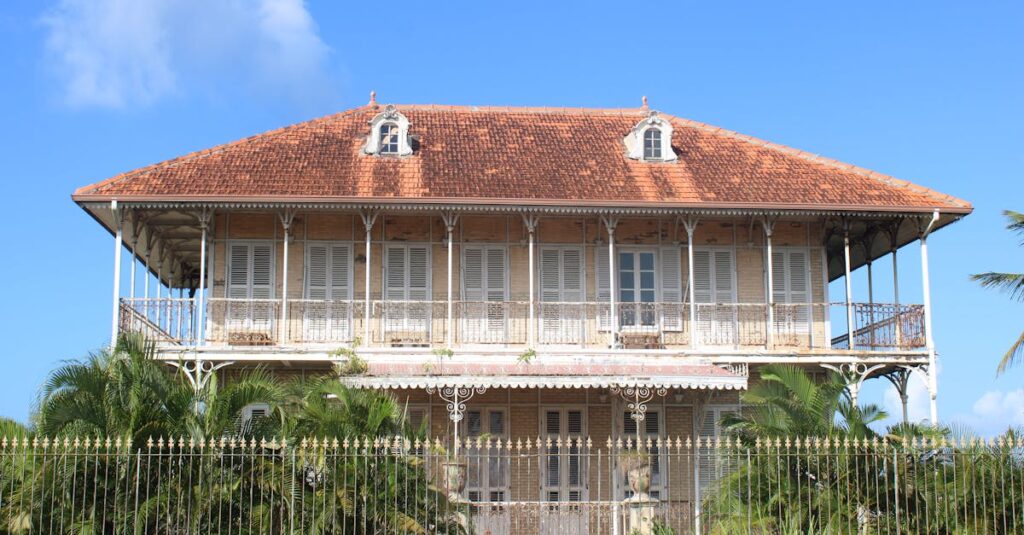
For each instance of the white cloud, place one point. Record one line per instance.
(116, 53)
(918, 401)
(994, 412)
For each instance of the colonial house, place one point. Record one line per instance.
(524, 273)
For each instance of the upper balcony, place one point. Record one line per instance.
(292, 285)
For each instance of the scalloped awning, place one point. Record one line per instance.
(542, 375)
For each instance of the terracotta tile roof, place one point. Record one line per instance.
(517, 155)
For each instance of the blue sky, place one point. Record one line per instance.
(931, 92)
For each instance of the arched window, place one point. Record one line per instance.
(388, 138)
(652, 144)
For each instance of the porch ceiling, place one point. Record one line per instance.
(392, 375)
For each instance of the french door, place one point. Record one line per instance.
(564, 482)
(562, 312)
(484, 291)
(327, 312)
(407, 310)
(250, 287)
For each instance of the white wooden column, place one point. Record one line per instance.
(849, 285)
(610, 222)
(893, 245)
(690, 224)
(368, 217)
(204, 217)
(933, 370)
(769, 229)
(287, 217)
(450, 219)
(531, 227)
(118, 244)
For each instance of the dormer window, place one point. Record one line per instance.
(652, 144)
(388, 138)
(389, 134)
(651, 140)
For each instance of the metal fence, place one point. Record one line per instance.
(563, 485)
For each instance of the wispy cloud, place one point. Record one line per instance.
(994, 412)
(117, 53)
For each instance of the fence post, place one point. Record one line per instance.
(896, 486)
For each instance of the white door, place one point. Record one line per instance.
(327, 310)
(561, 294)
(407, 306)
(649, 287)
(484, 294)
(791, 293)
(564, 483)
(487, 470)
(711, 466)
(250, 287)
(714, 285)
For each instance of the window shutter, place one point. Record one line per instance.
(473, 274)
(550, 275)
(603, 288)
(724, 287)
(238, 275)
(495, 274)
(419, 273)
(394, 274)
(262, 271)
(340, 273)
(702, 277)
(671, 289)
(572, 275)
(316, 272)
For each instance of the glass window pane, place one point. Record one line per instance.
(647, 279)
(627, 296)
(647, 296)
(626, 280)
(625, 260)
(646, 260)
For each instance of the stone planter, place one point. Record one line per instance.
(454, 479)
(637, 469)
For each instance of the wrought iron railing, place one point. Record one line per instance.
(164, 320)
(562, 485)
(258, 322)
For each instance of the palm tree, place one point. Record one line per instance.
(788, 402)
(1012, 283)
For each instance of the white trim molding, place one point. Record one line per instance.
(635, 139)
(390, 116)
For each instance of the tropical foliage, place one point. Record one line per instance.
(1011, 283)
(169, 440)
(849, 478)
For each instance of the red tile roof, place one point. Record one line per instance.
(518, 156)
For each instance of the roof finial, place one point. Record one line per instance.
(644, 98)
(373, 98)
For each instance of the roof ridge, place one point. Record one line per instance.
(84, 190)
(523, 109)
(821, 160)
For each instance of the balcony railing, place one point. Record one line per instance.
(259, 322)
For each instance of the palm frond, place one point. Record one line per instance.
(1012, 283)
(1013, 355)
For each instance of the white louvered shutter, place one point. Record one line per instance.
(484, 290)
(714, 292)
(238, 276)
(250, 278)
(561, 285)
(706, 456)
(671, 289)
(603, 285)
(339, 309)
(407, 288)
(790, 286)
(315, 312)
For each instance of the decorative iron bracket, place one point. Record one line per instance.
(198, 371)
(637, 398)
(455, 398)
(855, 373)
